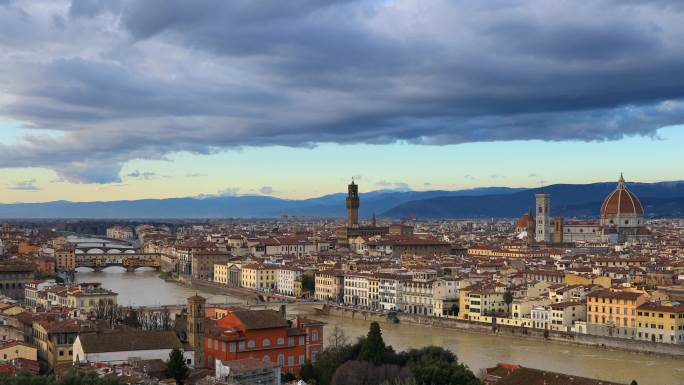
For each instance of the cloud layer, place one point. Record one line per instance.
(127, 79)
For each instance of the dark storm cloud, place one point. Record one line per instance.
(129, 80)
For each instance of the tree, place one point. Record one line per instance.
(437, 366)
(176, 367)
(308, 372)
(633, 382)
(373, 349)
(365, 373)
(337, 338)
(308, 283)
(454, 309)
(70, 378)
(508, 299)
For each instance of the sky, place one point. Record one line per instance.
(125, 99)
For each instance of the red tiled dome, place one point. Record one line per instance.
(523, 221)
(621, 201)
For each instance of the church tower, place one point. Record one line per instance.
(543, 224)
(353, 205)
(195, 327)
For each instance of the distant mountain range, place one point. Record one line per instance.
(243, 206)
(661, 199)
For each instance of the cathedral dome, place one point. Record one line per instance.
(621, 202)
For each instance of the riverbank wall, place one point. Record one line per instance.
(599, 342)
(249, 296)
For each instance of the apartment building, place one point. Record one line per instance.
(260, 277)
(287, 278)
(329, 286)
(65, 258)
(563, 315)
(390, 291)
(661, 322)
(417, 293)
(613, 313)
(445, 295)
(356, 288)
(202, 263)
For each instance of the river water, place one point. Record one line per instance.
(145, 288)
(478, 351)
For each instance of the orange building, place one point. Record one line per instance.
(26, 248)
(613, 313)
(262, 334)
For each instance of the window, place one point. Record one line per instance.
(290, 360)
(266, 342)
(251, 344)
(314, 335)
(301, 359)
(301, 340)
(281, 359)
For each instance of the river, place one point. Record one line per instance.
(144, 287)
(478, 351)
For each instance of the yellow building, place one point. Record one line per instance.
(661, 322)
(298, 288)
(12, 350)
(65, 259)
(259, 277)
(85, 297)
(576, 279)
(55, 339)
(329, 286)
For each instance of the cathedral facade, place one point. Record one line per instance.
(621, 219)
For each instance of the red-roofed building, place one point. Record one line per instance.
(265, 335)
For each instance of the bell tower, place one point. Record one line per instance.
(353, 205)
(195, 327)
(543, 224)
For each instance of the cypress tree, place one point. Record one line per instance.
(373, 349)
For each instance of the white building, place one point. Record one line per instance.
(117, 347)
(356, 290)
(540, 317)
(286, 280)
(564, 315)
(445, 295)
(121, 232)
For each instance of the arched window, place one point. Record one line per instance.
(251, 344)
(266, 342)
(266, 360)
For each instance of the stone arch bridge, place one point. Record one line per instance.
(129, 261)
